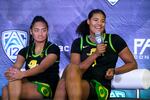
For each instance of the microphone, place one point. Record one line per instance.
(99, 39)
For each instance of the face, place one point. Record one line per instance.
(96, 23)
(39, 32)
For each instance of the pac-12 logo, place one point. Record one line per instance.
(141, 48)
(118, 93)
(112, 2)
(12, 42)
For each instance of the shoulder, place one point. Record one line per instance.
(76, 45)
(23, 51)
(77, 39)
(52, 45)
(117, 42)
(116, 36)
(52, 48)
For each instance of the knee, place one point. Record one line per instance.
(61, 84)
(73, 70)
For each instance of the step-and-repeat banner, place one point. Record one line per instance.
(128, 18)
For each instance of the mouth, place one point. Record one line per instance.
(40, 37)
(98, 29)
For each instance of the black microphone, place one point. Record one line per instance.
(99, 39)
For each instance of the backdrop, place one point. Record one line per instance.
(128, 18)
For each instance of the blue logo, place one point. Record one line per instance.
(117, 93)
(13, 41)
(112, 2)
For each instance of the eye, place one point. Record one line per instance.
(103, 21)
(44, 30)
(95, 19)
(36, 30)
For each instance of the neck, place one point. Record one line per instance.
(39, 47)
(92, 37)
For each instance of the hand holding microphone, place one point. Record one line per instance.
(101, 47)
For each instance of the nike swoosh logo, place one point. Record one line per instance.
(85, 47)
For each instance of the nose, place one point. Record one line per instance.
(99, 22)
(40, 32)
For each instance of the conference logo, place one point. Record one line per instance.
(117, 93)
(65, 48)
(141, 48)
(112, 2)
(12, 42)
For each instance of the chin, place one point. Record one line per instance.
(41, 41)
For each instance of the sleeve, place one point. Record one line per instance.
(54, 49)
(23, 52)
(118, 43)
(75, 47)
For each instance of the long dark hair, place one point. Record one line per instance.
(37, 19)
(83, 28)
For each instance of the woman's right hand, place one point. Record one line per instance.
(8, 73)
(101, 49)
(12, 74)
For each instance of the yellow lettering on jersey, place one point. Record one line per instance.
(91, 52)
(32, 64)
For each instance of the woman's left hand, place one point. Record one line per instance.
(110, 73)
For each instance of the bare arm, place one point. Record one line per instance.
(19, 62)
(49, 60)
(17, 66)
(128, 58)
(75, 57)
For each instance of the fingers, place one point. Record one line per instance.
(101, 48)
(110, 73)
(9, 74)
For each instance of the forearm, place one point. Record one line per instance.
(129, 61)
(19, 62)
(126, 68)
(86, 63)
(34, 71)
(44, 65)
(17, 67)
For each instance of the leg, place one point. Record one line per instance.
(85, 89)
(72, 85)
(73, 82)
(14, 88)
(5, 93)
(60, 93)
(29, 91)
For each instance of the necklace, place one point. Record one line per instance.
(92, 38)
(34, 53)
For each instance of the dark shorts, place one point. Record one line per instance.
(98, 91)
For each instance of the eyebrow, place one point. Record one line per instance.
(98, 18)
(41, 28)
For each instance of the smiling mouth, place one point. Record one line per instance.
(98, 29)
